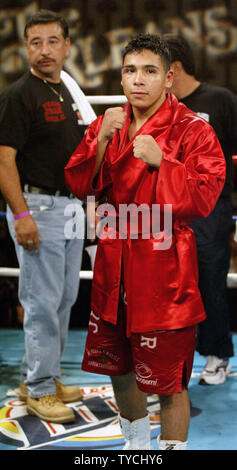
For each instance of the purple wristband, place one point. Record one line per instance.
(23, 214)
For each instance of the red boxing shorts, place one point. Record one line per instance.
(161, 360)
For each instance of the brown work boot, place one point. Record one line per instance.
(66, 393)
(50, 408)
(23, 392)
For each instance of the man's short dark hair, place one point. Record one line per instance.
(181, 51)
(151, 42)
(47, 17)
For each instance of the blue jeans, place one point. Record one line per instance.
(48, 286)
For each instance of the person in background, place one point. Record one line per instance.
(218, 106)
(39, 129)
(145, 300)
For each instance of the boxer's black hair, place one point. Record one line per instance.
(151, 42)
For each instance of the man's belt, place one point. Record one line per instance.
(52, 192)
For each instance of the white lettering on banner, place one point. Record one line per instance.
(92, 56)
(221, 38)
(118, 38)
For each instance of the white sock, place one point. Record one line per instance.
(136, 433)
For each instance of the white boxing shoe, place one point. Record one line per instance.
(171, 445)
(215, 371)
(137, 433)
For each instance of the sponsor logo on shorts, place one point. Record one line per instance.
(102, 365)
(148, 342)
(143, 372)
(102, 355)
(92, 323)
(146, 382)
(99, 359)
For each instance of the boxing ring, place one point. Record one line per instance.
(96, 426)
(104, 100)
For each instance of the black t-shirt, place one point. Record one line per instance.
(218, 106)
(44, 131)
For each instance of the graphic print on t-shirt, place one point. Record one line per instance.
(53, 111)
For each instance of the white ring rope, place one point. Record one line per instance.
(14, 272)
(109, 99)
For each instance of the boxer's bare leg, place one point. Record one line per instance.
(131, 401)
(175, 416)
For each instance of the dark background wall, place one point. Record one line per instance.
(99, 30)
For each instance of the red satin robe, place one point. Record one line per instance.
(161, 285)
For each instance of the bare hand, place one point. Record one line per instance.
(146, 148)
(27, 233)
(114, 119)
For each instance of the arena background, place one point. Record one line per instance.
(99, 29)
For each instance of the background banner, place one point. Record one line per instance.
(99, 29)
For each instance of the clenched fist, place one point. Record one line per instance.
(114, 119)
(147, 149)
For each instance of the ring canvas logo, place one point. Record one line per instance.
(96, 425)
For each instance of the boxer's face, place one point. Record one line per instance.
(144, 79)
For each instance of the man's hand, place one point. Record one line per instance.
(27, 233)
(114, 119)
(26, 230)
(147, 149)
